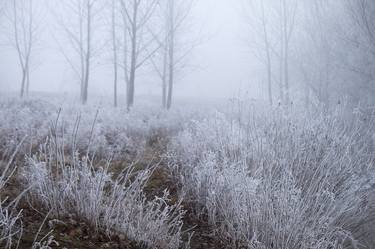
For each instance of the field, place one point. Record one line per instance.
(232, 175)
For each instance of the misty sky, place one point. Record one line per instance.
(219, 66)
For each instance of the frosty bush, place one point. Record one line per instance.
(10, 218)
(289, 181)
(70, 185)
(103, 130)
(10, 226)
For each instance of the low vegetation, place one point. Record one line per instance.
(265, 179)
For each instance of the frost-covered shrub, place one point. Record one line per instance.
(102, 130)
(10, 226)
(20, 120)
(70, 184)
(74, 186)
(282, 181)
(10, 218)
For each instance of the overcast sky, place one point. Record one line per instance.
(219, 67)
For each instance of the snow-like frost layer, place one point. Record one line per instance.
(89, 193)
(282, 181)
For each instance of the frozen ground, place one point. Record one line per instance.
(220, 175)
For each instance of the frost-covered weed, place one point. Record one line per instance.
(10, 218)
(103, 130)
(46, 243)
(266, 179)
(76, 187)
(282, 181)
(10, 226)
(64, 180)
(116, 132)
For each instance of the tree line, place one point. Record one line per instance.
(138, 32)
(321, 51)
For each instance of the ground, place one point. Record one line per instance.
(71, 233)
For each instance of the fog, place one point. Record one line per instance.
(218, 62)
(326, 53)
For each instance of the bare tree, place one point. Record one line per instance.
(78, 23)
(172, 29)
(271, 24)
(2, 6)
(363, 37)
(175, 16)
(268, 54)
(363, 12)
(24, 34)
(115, 48)
(320, 65)
(138, 45)
(287, 23)
(258, 20)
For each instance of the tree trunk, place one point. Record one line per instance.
(23, 82)
(286, 75)
(281, 61)
(170, 89)
(130, 89)
(130, 85)
(307, 97)
(268, 55)
(164, 73)
(88, 55)
(125, 58)
(164, 86)
(171, 55)
(133, 63)
(286, 52)
(281, 81)
(115, 86)
(81, 52)
(114, 44)
(28, 82)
